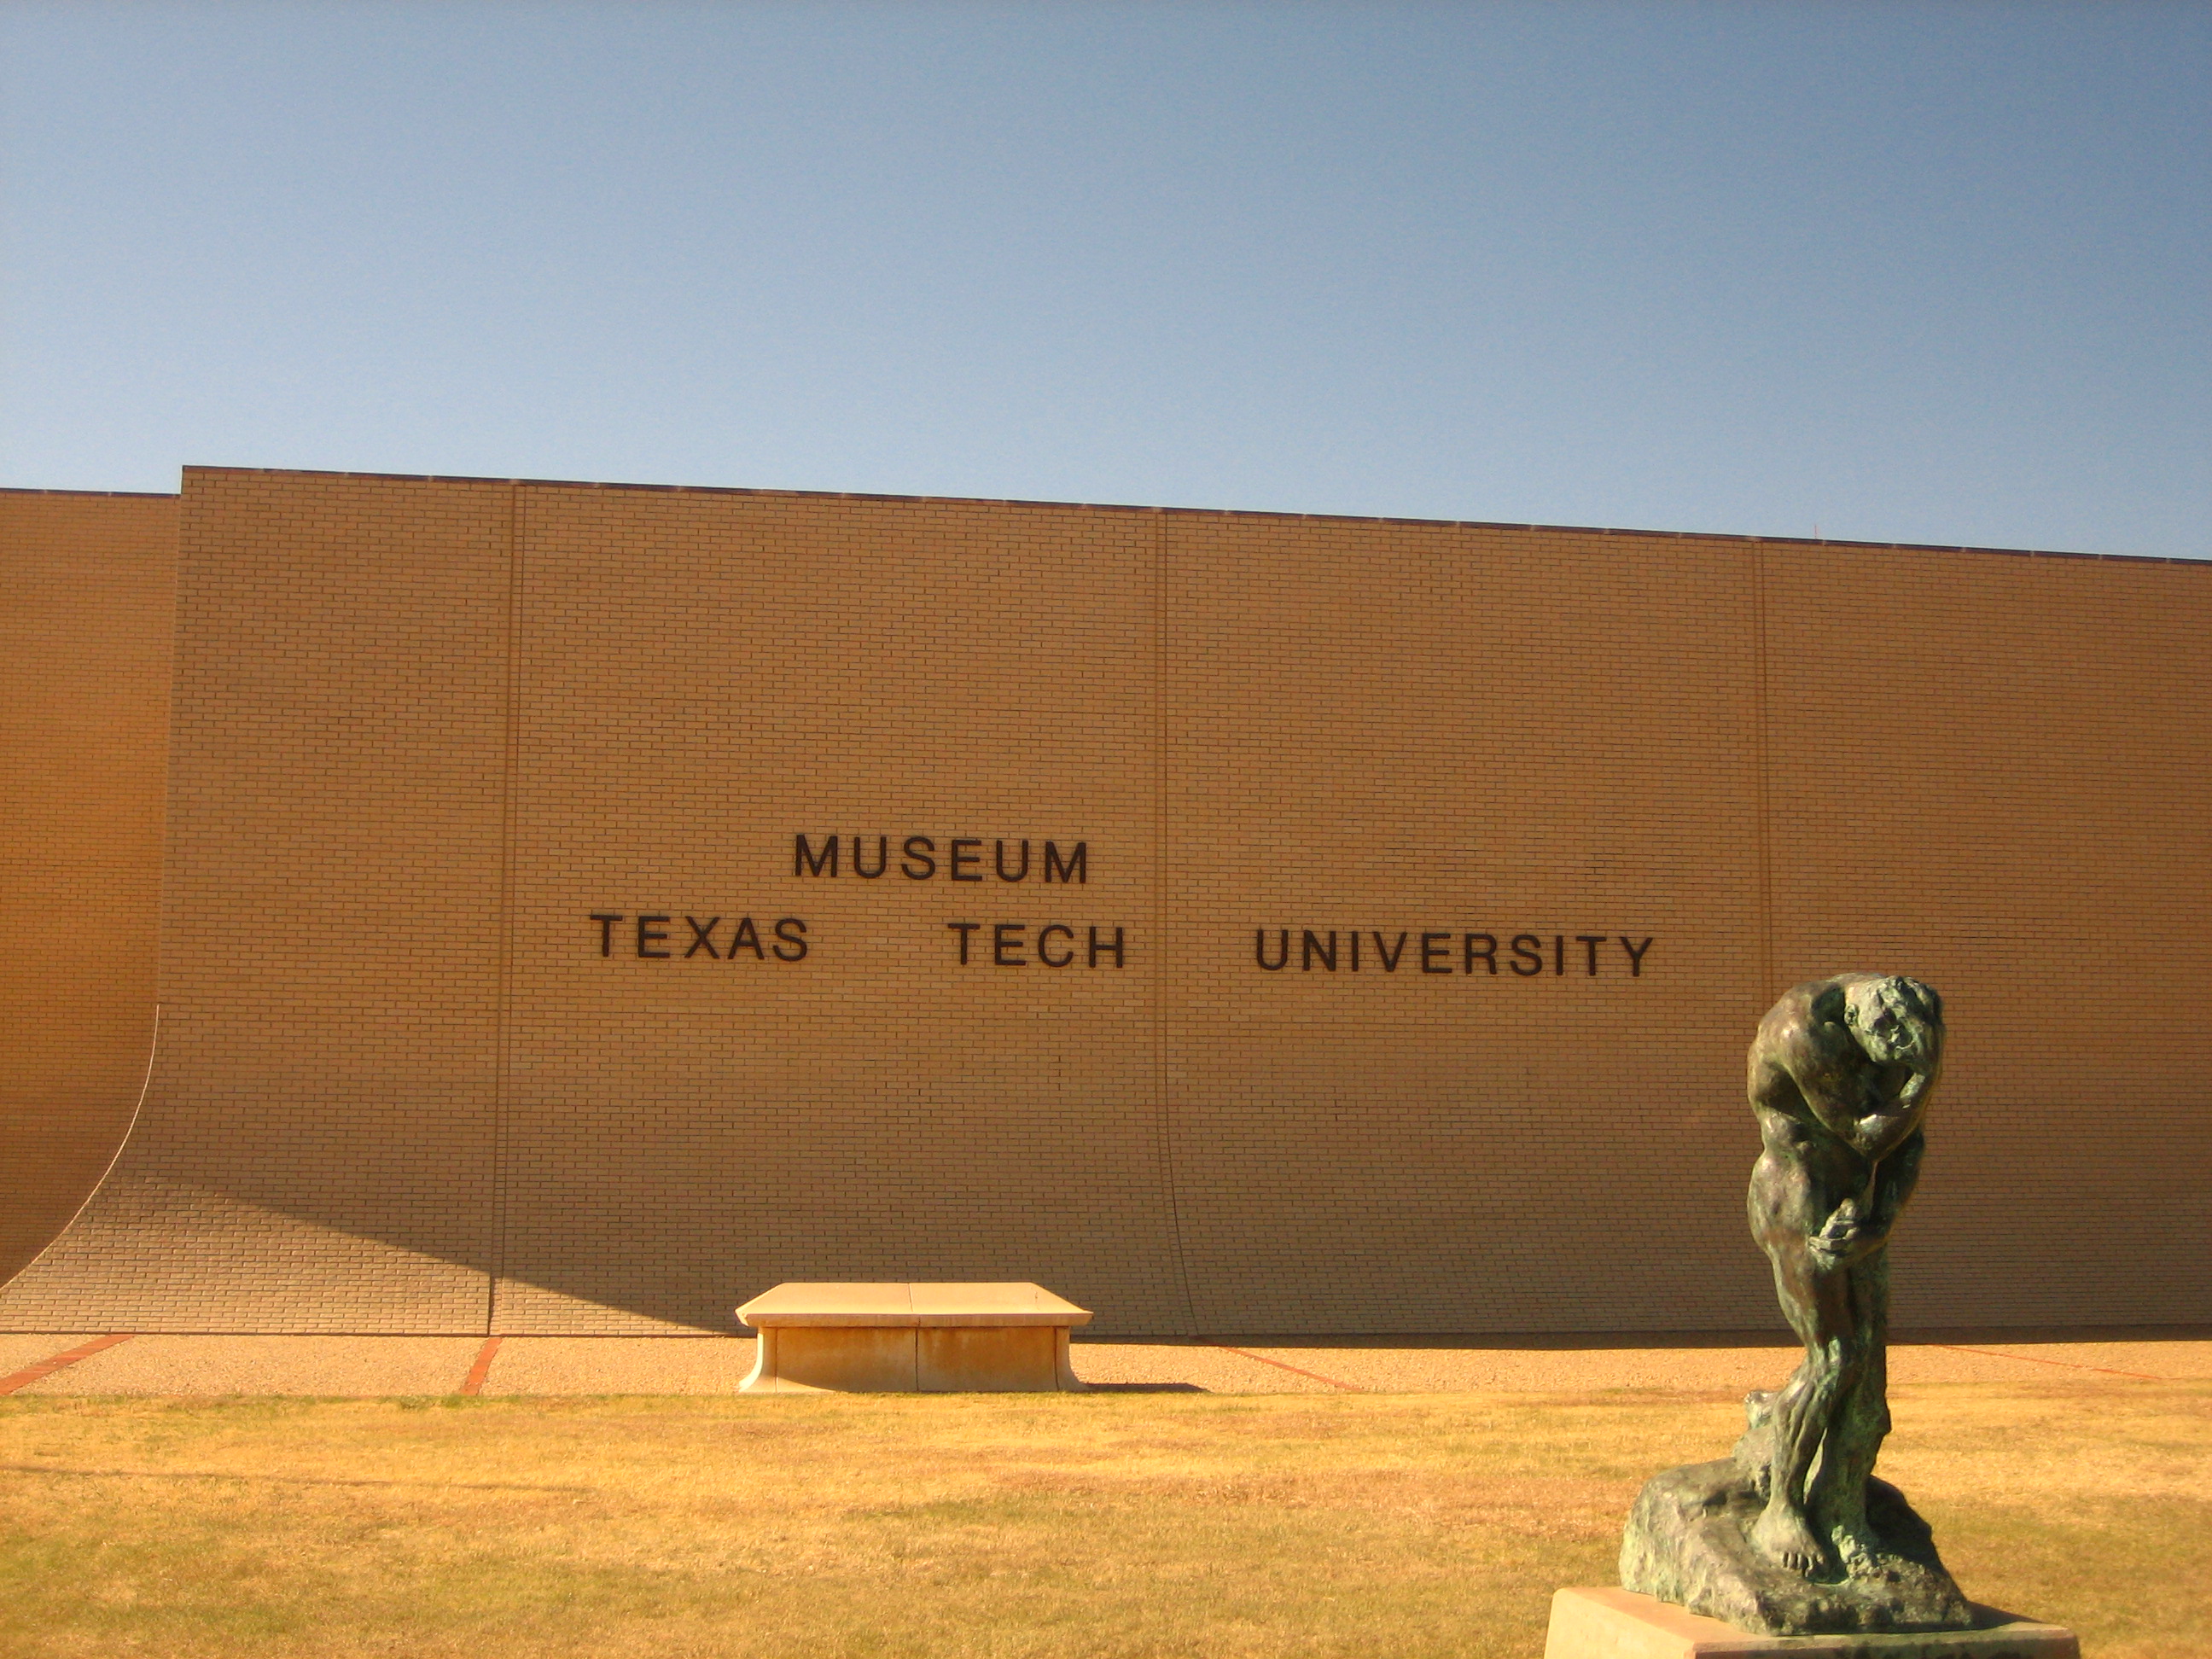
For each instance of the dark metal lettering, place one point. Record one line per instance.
(918, 849)
(783, 931)
(702, 936)
(748, 935)
(654, 935)
(998, 862)
(1095, 947)
(882, 857)
(607, 930)
(805, 861)
(1007, 936)
(1045, 933)
(1076, 867)
(1325, 950)
(961, 860)
(963, 928)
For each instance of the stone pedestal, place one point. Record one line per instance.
(1619, 1624)
(906, 1339)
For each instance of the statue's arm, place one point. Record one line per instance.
(1808, 1067)
(1813, 1085)
(1894, 1178)
(1893, 1121)
(1856, 1230)
(1872, 1107)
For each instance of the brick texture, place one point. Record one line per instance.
(1449, 868)
(85, 621)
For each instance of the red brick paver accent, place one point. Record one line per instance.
(31, 1374)
(1349, 1387)
(2038, 1360)
(481, 1369)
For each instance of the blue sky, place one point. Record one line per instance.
(1921, 273)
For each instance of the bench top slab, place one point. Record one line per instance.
(878, 1306)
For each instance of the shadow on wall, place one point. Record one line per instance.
(220, 1220)
(87, 597)
(57, 1157)
(214, 1219)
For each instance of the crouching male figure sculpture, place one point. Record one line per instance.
(1793, 1535)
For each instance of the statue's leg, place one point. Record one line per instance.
(1814, 1299)
(1862, 1420)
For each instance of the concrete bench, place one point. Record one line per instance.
(908, 1338)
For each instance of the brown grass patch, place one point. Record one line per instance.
(1106, 1527)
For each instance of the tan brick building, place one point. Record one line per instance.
(585, 907)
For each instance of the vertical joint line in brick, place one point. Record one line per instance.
(504, 1013)
(1762, 800)
(1161, 915)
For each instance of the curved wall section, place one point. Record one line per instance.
(85, 630)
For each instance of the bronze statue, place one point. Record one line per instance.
(1841, 1074)
(1793, 1535)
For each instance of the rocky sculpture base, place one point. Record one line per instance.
(1687, 1542)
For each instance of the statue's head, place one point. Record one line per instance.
(1898, 1021)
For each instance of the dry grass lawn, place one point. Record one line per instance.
(1109, 1526)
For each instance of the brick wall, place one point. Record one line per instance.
(85, 623)
(1535, 822)
(1996, 773)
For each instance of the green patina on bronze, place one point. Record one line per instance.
(1792, 1536)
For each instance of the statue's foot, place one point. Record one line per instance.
(1782, 1536)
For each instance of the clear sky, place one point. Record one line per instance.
(1931, 273)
